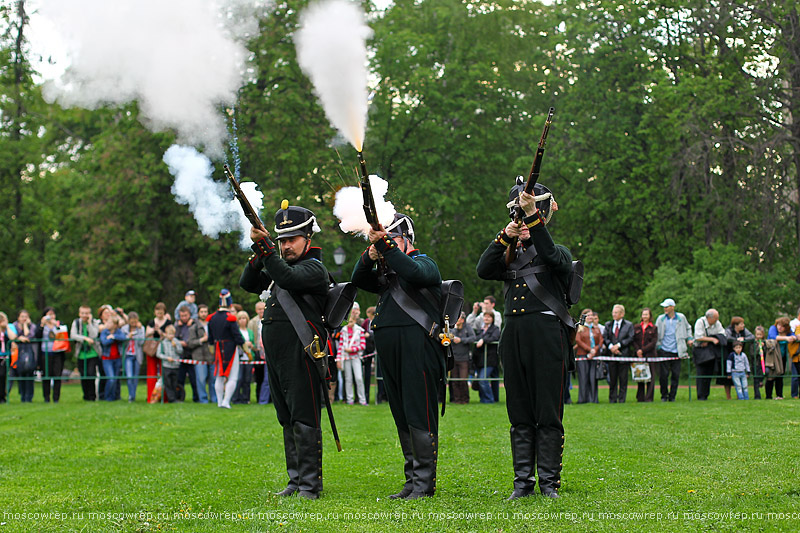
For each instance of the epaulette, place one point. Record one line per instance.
(231, 317)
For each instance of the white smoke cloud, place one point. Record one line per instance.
(209, 201)
(349, 207)
(181, 60)
(332, 51)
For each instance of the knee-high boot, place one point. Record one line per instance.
(309, 460)
(408, 465)
(290, 450)
(523, 454)
(549, 453)
(425, 447)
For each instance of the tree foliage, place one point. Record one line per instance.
(674, 155)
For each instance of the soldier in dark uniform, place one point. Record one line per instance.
(411, 360)
(224, 336)
(294, 381)
(534, 344)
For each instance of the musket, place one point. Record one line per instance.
(249, 212)
(516, 212)
(318, 355)
(370, 209)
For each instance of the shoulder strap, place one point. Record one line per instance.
(412, 308)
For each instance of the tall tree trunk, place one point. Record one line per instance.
(15, 173)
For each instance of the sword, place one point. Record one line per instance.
(316, 352)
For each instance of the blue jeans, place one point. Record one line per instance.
(201, 377)
(132, 371)
(795, 379)
(485, 387)
(111, 368)
(740, 382)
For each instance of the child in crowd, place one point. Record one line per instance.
(169, 351)
(738, 368)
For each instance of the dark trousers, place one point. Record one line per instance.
(795, 380)
(412, 368)
(294, 386)
(778, 383)
(169, 377)
(669, 373)
(25, 386)
(534, 371)
(567, 387)
(243, 385)
(180, 390)
(757, 384)
(258, 376)
(704, 383)
(587, 381)
(618, 381)
(3, 371)
(52, 366)
(645, 390)
(366, 372)
(88, 371)
(459, 392)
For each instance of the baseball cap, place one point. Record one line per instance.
(668, 302)
(189, 293)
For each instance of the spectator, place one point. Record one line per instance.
(200, 352)
(795, 322)
(5, 354)
(85, 334)
(369, 351)
(155, 330)
(645, 336)
(485, 357)
(738, 367)
(348, 357)
(589, 341)
(21, 332)
(618, 339)
(674, 339)
(602, 328)
(709, 338)
(735, 332)
(463, 337)
(170, 351)
(785, 338)
(475, 319)
(111, 339)
(188, 303)
(134, 334)
(53, 353)
(258, 352)
(794, 353)
(242, 395)
(768, 359)
(182, 327)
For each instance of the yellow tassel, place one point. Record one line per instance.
(284, 204)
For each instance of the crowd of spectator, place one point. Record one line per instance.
(169, 350)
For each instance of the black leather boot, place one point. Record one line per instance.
(549, 453)
(425, 447)
(408, 465)
(523, 454)
(290, 451)
(309, 460)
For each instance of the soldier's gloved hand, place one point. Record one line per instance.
(513, 230)
(256, 234)
(527, 203)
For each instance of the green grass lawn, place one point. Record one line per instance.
(189, 467)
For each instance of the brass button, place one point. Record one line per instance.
(523, 297)
(514, 311)
(515, 297)
(522, 310)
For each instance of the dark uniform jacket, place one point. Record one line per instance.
(518, 298)
(307, 275)
(413, 270)
(224, 336)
